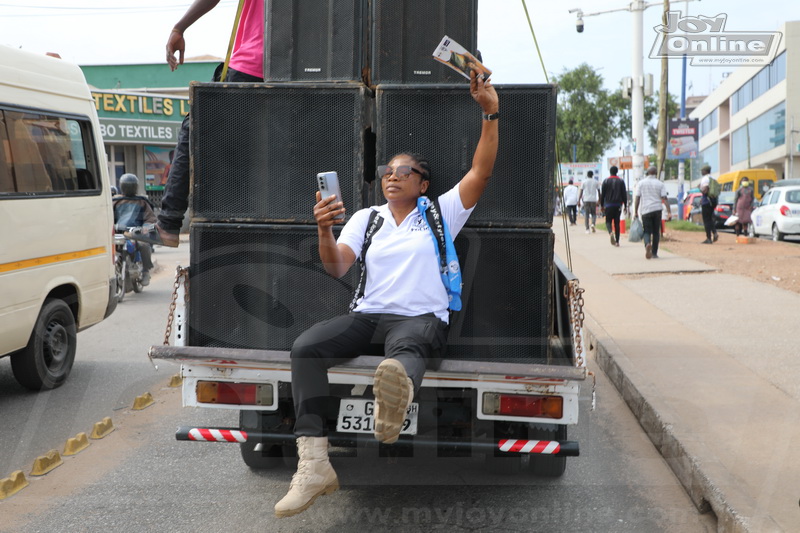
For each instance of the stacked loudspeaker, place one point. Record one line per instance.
(348, 84)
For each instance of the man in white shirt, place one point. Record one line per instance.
(651, 195)
(590, 189)
(571, 202)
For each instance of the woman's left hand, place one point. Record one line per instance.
(483, 92)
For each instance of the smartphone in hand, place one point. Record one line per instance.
(328, 184)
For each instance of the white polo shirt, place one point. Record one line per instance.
(402, 268)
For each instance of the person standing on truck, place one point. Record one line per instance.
(589, 189)
(707, 204)
(651, 195)
(613, 201)
(402, 311)
(131, 210)
(246, 65)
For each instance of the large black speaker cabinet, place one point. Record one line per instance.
(506, 297)
(259, 286)
(405, 34)
(314, 40)
(256, 149)
(443, 124)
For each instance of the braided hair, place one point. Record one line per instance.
(423, 163)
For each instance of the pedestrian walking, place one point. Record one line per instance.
(651, 195)
(743, 206)
(571, 202)
(708, 202)
(613, 202)
(590, 189)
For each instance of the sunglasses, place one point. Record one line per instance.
(402, 172)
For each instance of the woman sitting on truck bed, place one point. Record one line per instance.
(403, 308)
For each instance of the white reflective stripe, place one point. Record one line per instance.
(238, 436)
(551, 448)
(195, 434)
(507, 445)
(530, 445)
(217, 434)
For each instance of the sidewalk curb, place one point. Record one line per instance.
(709, 485)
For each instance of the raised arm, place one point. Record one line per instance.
(175, 41)
(336, 258)
(474, 182)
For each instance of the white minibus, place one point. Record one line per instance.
(56, 244)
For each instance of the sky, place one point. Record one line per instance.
(95, 32)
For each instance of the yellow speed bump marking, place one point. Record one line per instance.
(102, 428)
(77, 444)
(12, 484)
(175, 381)
(45, 463)
(143, 401)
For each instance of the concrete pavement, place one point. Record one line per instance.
(708, 364)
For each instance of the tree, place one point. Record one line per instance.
(586, 116)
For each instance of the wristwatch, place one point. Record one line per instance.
(493, 116)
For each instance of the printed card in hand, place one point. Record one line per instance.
(458, 58)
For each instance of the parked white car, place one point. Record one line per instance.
(778, 214)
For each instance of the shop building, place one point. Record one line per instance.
(752, 119)
(141, 108)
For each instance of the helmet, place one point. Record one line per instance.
(129, 184)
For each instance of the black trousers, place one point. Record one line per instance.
(651, 222)
(176, 191)
(708, 217)
(613, 216)
(572, 212)
(416, 342)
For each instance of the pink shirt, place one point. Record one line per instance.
(248, 48)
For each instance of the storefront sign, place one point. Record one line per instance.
(140, 106)
(118, 131)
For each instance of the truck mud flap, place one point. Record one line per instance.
(349, 440)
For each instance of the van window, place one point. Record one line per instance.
(45, 154)
(727, 186)
(763, 186)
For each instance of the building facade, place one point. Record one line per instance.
(749, 120)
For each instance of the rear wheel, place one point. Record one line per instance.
(776, 233)
(548, 465)
(268, 455)
(47, 360)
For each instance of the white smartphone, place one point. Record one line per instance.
(328, 184)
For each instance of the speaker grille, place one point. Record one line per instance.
(406, 32)
(317, 40)
(443, 123)
(507, 295)
(259, 286)
(256, 149)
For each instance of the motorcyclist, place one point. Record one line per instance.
(131, 210)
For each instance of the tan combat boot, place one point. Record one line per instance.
(314, 476)
(394, 392)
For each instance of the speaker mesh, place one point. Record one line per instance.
(259, 286)
(406, 32)
(507, 293)
(443, 124)
(256, 149)
(317, 40)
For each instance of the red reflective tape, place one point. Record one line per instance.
(540, 446)
(206, 434)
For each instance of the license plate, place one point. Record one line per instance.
(358, 416)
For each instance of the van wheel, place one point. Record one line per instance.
(776, 234)
(269, 456)
(47, 360)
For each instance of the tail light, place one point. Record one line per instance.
(220, 392)
(785, 211)
(523, 405)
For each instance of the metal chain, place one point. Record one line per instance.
(180, 272)
(574, 294)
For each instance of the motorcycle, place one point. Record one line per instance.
(127, 265)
